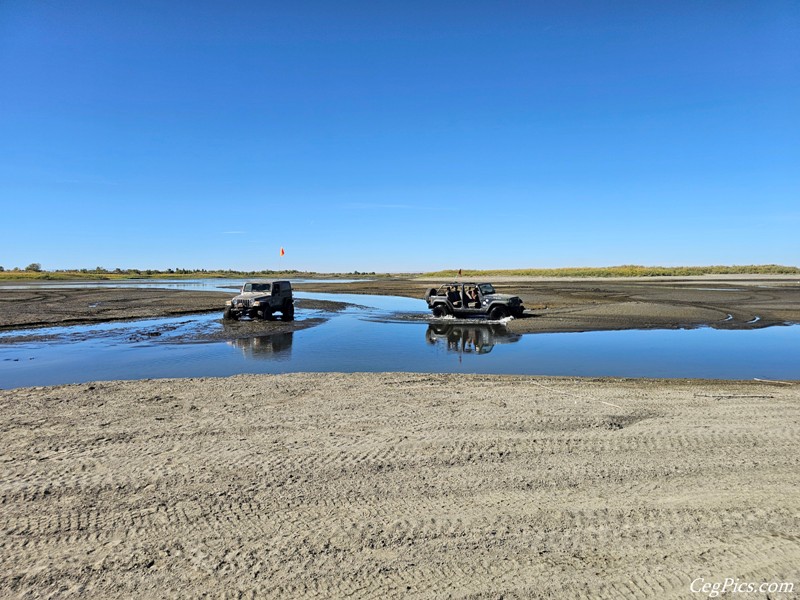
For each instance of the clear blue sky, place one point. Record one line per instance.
(398, 136)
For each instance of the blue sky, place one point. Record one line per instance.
(398, 136)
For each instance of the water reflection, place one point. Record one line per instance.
(278, 345)
(469, 338)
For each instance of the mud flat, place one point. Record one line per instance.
(398, 486)
(566, 305)
(42, 306)
(554, 305)
(47, 307)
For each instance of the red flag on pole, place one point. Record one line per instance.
(282, 251)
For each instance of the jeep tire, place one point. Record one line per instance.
(287, 314)
(440, 310)
(497, 313)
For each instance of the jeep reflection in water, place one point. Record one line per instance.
(278, 345)
(260, 299)
(465, 339)
(472, 300)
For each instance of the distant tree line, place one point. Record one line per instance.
(31, 268)
(34, 270)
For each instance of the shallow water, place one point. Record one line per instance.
(373, 338)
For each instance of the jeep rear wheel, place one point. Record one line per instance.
(440, 310)
(498, 312)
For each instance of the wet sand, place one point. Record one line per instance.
(553, 305)
(48, 307)
(398, 486)
(570, 305)
(45, 306)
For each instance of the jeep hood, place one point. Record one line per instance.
(499, 297)
(251, 295)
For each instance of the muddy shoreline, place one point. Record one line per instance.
(552, 305)
(42, 308)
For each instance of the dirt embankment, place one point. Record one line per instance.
(397, 486)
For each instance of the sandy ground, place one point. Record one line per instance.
(398, 486)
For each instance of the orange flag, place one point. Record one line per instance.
(282, 251)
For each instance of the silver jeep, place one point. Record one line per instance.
(260, 299)
(472, 300)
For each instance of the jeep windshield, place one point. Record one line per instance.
(486, 289)
(255, 287)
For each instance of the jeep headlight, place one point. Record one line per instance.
(256, 302)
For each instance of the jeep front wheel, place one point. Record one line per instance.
(440, 310)
(227, 315)
(497, 313)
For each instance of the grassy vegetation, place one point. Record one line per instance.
(625, 271)
(102, 274)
